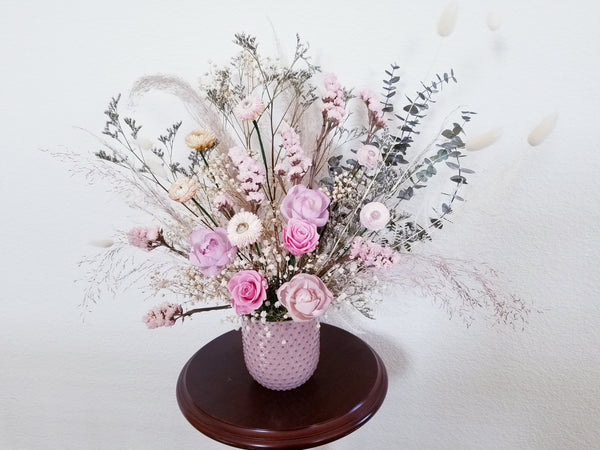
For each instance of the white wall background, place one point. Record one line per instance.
(532, 213)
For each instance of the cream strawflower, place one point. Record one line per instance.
(183, 189)
(244, 229)
(250, 108)
(200, 139)
(374, 216)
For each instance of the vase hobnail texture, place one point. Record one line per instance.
(281, 355)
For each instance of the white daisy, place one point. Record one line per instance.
(244, 229)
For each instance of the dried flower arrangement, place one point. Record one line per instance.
(283, 210)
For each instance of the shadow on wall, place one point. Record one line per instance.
(392, 354)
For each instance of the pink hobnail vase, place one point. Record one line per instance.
(281, 355)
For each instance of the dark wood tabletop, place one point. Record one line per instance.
(218, 397)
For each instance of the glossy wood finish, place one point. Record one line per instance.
(218, 397)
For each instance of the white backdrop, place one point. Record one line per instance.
(107, 382)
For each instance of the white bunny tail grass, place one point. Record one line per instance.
(448, 19)
(493, 20)
(483, 140)
(101, 242)
(542, 130)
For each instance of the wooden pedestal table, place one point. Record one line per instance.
(218, 396)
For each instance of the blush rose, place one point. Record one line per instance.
(305, 297)
(211, 250)
(300, 237)
(306, 204)
(248, 290)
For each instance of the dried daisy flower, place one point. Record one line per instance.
(183, 189)
(200, 139)
(250, 108)
(244, 229)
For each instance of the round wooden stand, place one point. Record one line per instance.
(218, 397)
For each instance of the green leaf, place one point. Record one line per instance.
(437, 223)
(411, 109)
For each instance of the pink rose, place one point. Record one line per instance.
(305, 297)
(248, 290)
(211, 250)
(369, 156)
(300, 237)
(306, 204)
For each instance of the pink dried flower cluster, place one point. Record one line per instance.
(146, 238)
(374, 106)
(250, 174)
(299, 163)
(163, 315)
(222, 202)
(374, 255)
(334, 105)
